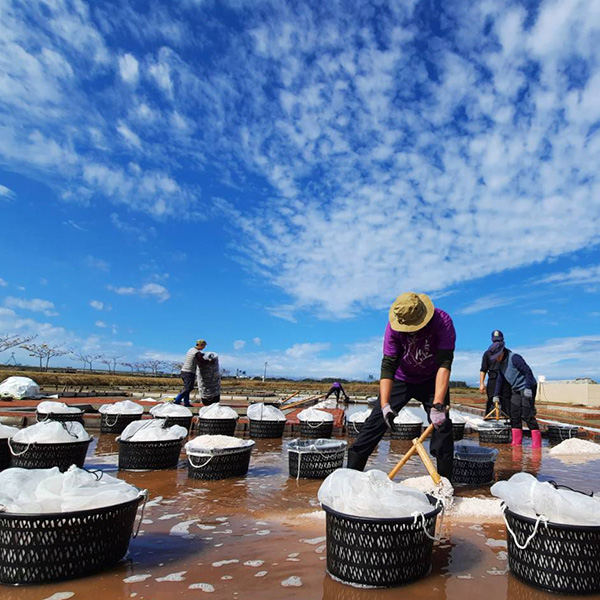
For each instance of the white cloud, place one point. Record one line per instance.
(6, 193)
(3, 282)
(486, 303)
(101, 324)
(257, 341)
(148, 290)
(129, 68)
(35, 305)
(129, 136)
(238, 344)
(575, 276)
(98, 305)
(96, 263)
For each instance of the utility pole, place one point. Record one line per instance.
(265, 373)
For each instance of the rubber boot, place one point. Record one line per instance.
(536, 438)
(356, 461)
(517, 437)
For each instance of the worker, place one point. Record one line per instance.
(418, 349)
(337, 389)
(490, 368)
(193, 357)
(513, 369)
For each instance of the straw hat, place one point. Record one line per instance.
(411, 312)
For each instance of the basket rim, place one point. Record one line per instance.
(437, 507)
(165, 442)
(33, 444)
(267, 420)
(62, 414)
(222, 451)
(530, 521)
(218, 420)
(77, 513)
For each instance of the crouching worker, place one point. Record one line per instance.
(337, 389)
(513, 369)
(418, 349)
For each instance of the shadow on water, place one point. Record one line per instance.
(153, 549)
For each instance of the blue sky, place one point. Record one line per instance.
(270, 175)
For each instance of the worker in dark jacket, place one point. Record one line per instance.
(418, 349)
(489, 367)
(513, 369)
(337, 389)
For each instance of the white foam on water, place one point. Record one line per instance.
(314, 541)
(220, 563)
(321, 548)
(227, 577)
(183, 528)
(261, 523)
(171, 516)
(502, 555)
(469, 576)
(261, 574)
(147, 521)
(292, 560)
(254, 563)
(154, 502)
(317, 514)
(222, 519)
(263, 532)
(206, 527)
(137, 578)
(496, 543)
(292, 582)
(205, 587)
(173, 577)
(294, 555)
(60, 596)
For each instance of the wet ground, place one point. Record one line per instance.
(263, 536)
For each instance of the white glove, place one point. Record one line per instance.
(496, 399)
(437, 416)
(527, 393)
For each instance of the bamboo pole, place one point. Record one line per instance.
(295, 404)
(410, 452)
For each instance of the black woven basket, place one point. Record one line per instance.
(232, 463)
(4, 454)
(146, 456)
(46, 456)
(216, 426)
(559, 558)
(499, 435)
(62, 417)
(266, 429)
(472, 473)
(117, 423)
(353, 428)
(315, 465)
(316, 429)
(458, 431)
(49, 547)
(379, 552)
(406, 431)
(559, 433)
(181, 421)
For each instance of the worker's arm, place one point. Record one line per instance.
(389, 366)
(499, 381)
(519, 363)
(442, 382)
(482, 382)
(485, 367)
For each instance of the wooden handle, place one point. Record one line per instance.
(427, 461)
(294, 404)
(411, 451)
(290, 397)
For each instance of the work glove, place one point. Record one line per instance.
(389, 414)
(437, 414)
(528, 393)
(496, 399)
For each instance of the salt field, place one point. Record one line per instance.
(263, 535)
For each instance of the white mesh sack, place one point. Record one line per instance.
(6, 431)
(360, 417)
(152, 431)
(57, 408)
(169, 409)
(262, 412)
(216, 411)
(215, 444)
(314, 415)
(126, 407)
(52, 432)
(409, 416)
(456, 416)
(19, 387)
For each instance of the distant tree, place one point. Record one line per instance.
(111, 362)
(225, 372)
(176, 367)
(132, 366)
(154, 365)
(105, 360)
(86, 359)
(44, 352)
(8, 341)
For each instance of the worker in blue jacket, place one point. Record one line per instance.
(513, 369)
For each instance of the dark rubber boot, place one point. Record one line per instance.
(444, 467)
(356, 461)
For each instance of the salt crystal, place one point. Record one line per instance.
(183, 528)
(225, 562)
(575, 446)
(205, 587)
(173, 577)
(292, 582)
(137, 578)
(261, 574)
(263, 532)
(314, 541)
(61, 596)
(254, 563)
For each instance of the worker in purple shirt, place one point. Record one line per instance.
(513, 369)
(337, 389)
(418, 349)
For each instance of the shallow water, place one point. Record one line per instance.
(262, 536)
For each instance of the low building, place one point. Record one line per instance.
(578, 392)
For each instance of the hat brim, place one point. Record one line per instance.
(396, 326)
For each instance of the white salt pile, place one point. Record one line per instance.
(262, 412)
(216, 411)
(19, 387)
(410, 416)
(313, 415)
(49, 490)
(126, 407)
(481, 509)
(52, 432)
(329, 403)
(525, 495)
(443, 490)
(58, 408)
(169, 409)
(207, 444)
(6, 431)
(370, 494)
(574, 446)
(152, 431)
(360, 417)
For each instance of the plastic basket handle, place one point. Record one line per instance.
(318, 424)
(144, 494)
(12, 450)
(434, 538)
(44, 418)
(108, 423)
(540, 519)
(198, 466)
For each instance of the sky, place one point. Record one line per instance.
(269, 175)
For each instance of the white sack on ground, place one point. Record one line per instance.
(49, 490)
(125, 407)
(329, 403)
(313, 415)
(52, 432)
(360, 417)
(169, 409)
(205, 444)
(217, 411)
(152, 431)
(370, 494)
(525, 495)
(456, 416)
(19, 387)
(574, 446)
(410, 416)
(208, 375)
(6, 431)
(58, 408)
(262, 412)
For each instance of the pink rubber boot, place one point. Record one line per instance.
(536, 438)
(517, 437)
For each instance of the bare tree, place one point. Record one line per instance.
(105, 360)
(132, 366)
(44, 352)
(176, 367)
(80, 356)
(114, 360)
(154, 364)
(8, 341)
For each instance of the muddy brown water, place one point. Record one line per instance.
(245, 538)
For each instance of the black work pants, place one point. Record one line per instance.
(523, 409)
(505, 395)
(441, 445)
(189, 380)
(212, 400)
(334, 390)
